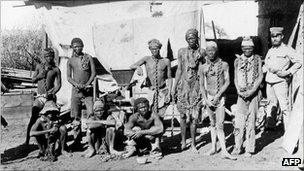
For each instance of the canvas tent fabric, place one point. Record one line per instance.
(116, 33)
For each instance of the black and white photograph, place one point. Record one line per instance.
(152, 85)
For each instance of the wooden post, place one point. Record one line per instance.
(46, 40)
(213, 28)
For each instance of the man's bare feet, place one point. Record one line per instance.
(228, 156)
(210, 152)
(183, 146)
(90, 153)
(66, 154)
(236, 152)
(194, 149)
(247, 154)
(130, 151)
(115, 152)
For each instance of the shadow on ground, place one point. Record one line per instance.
(16, 153)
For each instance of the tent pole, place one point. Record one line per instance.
(213, 28)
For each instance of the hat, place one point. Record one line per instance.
(247, 41)
(211, 44)
(191, 31)
(140, 100)
(276, 30)
(154, 43)
(98, 105)
(48, 107)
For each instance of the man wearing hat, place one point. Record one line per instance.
(143, 130)
(48, 130)
(80, 73)
(158, 71)
(281, 62)
(248, 76)
(102, 128)
(46, 74)
(186, 85)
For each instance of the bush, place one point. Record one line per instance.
(21, 49)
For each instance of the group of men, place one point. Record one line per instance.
(201, 81)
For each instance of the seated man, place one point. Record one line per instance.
(48, 130)
(143, 130)
(102, 128)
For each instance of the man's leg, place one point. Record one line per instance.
(42, 145)
(271, 107)
(250, 129)
(91, 142)
(76, 116)
(34, 117)
(193, 132)
(110, 140)
(131, 144)
(212, 131)
(220, 117)
(240, 117)
(63, 134)
(183, 127)
(281, 91)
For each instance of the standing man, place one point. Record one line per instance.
(187, 85)
(80, 73)
(214, 81)
(45, 75)
(281, 63)
(248, 76)
(158, 70)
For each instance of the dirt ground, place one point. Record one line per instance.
(15, 156)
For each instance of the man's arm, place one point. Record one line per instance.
(156, 129)
(39, 73)
(34, 131)
(69, 74)
(169, 76)
(226, 78)
(259, 79)
(236, 77)
(137, 65)
(202, 84)
(296, 59)
(58, 81)
(129, 125)
(93, 71)
(178, 72)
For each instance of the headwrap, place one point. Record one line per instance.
(247, 41)
(211, 44)
(276, 30)
(48, 52)
(98, 105)
(191, 31)
(154, 43)
(77, 40)
(140, 100)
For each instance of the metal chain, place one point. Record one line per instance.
(156, 86)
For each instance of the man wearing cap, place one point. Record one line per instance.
(102, 128)
(281, 62)
(143, 130)
(45, 75)
(186, 86)
(248, 76)
(158, 71)
(47, 130)
(80, 73)
(214, 81)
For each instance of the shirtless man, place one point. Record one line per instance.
(186, 85)
(248, 76)
(102, 128)
(45, 75)
(80, 73)
(216, 73)
(158, 70)
(143, 130)
(48, 130)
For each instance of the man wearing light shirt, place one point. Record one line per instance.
(281, 63)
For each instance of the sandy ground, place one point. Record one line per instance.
(15, 156)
